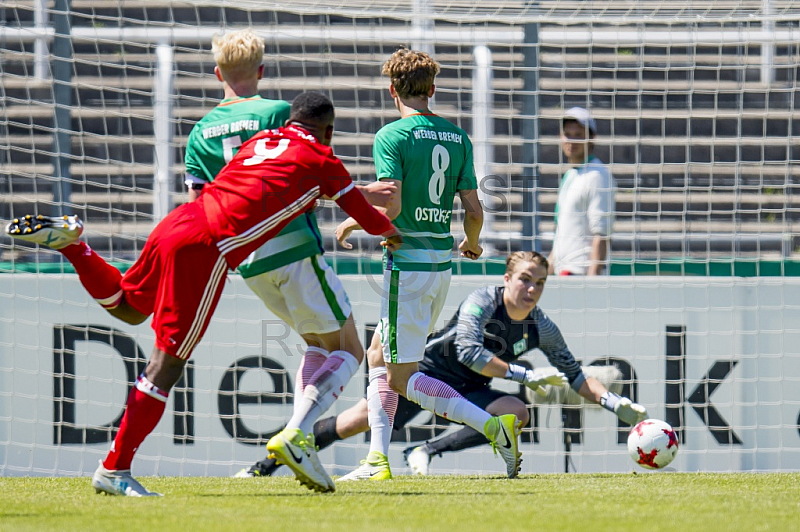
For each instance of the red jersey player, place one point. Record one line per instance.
(179, 276)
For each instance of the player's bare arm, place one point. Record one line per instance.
(592, 390)
(598, 255)
(473, 222)
(392, 210)
(495, 368)
(373, 219)
(380, 193)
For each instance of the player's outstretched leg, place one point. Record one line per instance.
(298, 452)
(100, 279)
(53, 232)
(119, 482)
(441, 399)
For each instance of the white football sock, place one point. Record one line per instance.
(313, 359)
(441, 399)
(323, 389)
(381, 408)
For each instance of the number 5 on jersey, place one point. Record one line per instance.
(228, 145)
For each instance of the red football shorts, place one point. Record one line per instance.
(178, 278)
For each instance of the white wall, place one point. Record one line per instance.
(752, 322)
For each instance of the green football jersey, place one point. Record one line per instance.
(433, 159)
(216, 138)
(214, 141)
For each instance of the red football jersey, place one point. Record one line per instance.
(275, 176)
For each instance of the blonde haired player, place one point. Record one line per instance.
(242, 113)
(430, 161)
(237, 55)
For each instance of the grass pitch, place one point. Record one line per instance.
(651, 502)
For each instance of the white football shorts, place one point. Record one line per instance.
(410, 306)
(306, 294)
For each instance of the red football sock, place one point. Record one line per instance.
(140, 418)
(99, 278)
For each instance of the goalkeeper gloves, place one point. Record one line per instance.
(625, 409)
(535, 380)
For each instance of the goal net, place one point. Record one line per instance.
(696, 105)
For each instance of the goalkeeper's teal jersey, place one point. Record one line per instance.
(433, 159)
(214, 141)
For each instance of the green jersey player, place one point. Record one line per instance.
(288, 272)
(430, 161)
(216, 138)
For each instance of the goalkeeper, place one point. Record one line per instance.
(492, 328)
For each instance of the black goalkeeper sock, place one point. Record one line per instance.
(463, 439)
(325, 432)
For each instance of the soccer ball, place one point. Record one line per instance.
(653, 444)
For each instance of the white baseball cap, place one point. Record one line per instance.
(583, 117)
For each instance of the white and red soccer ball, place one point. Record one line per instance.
(653, 444)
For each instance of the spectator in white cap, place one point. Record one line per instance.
(584, 213)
